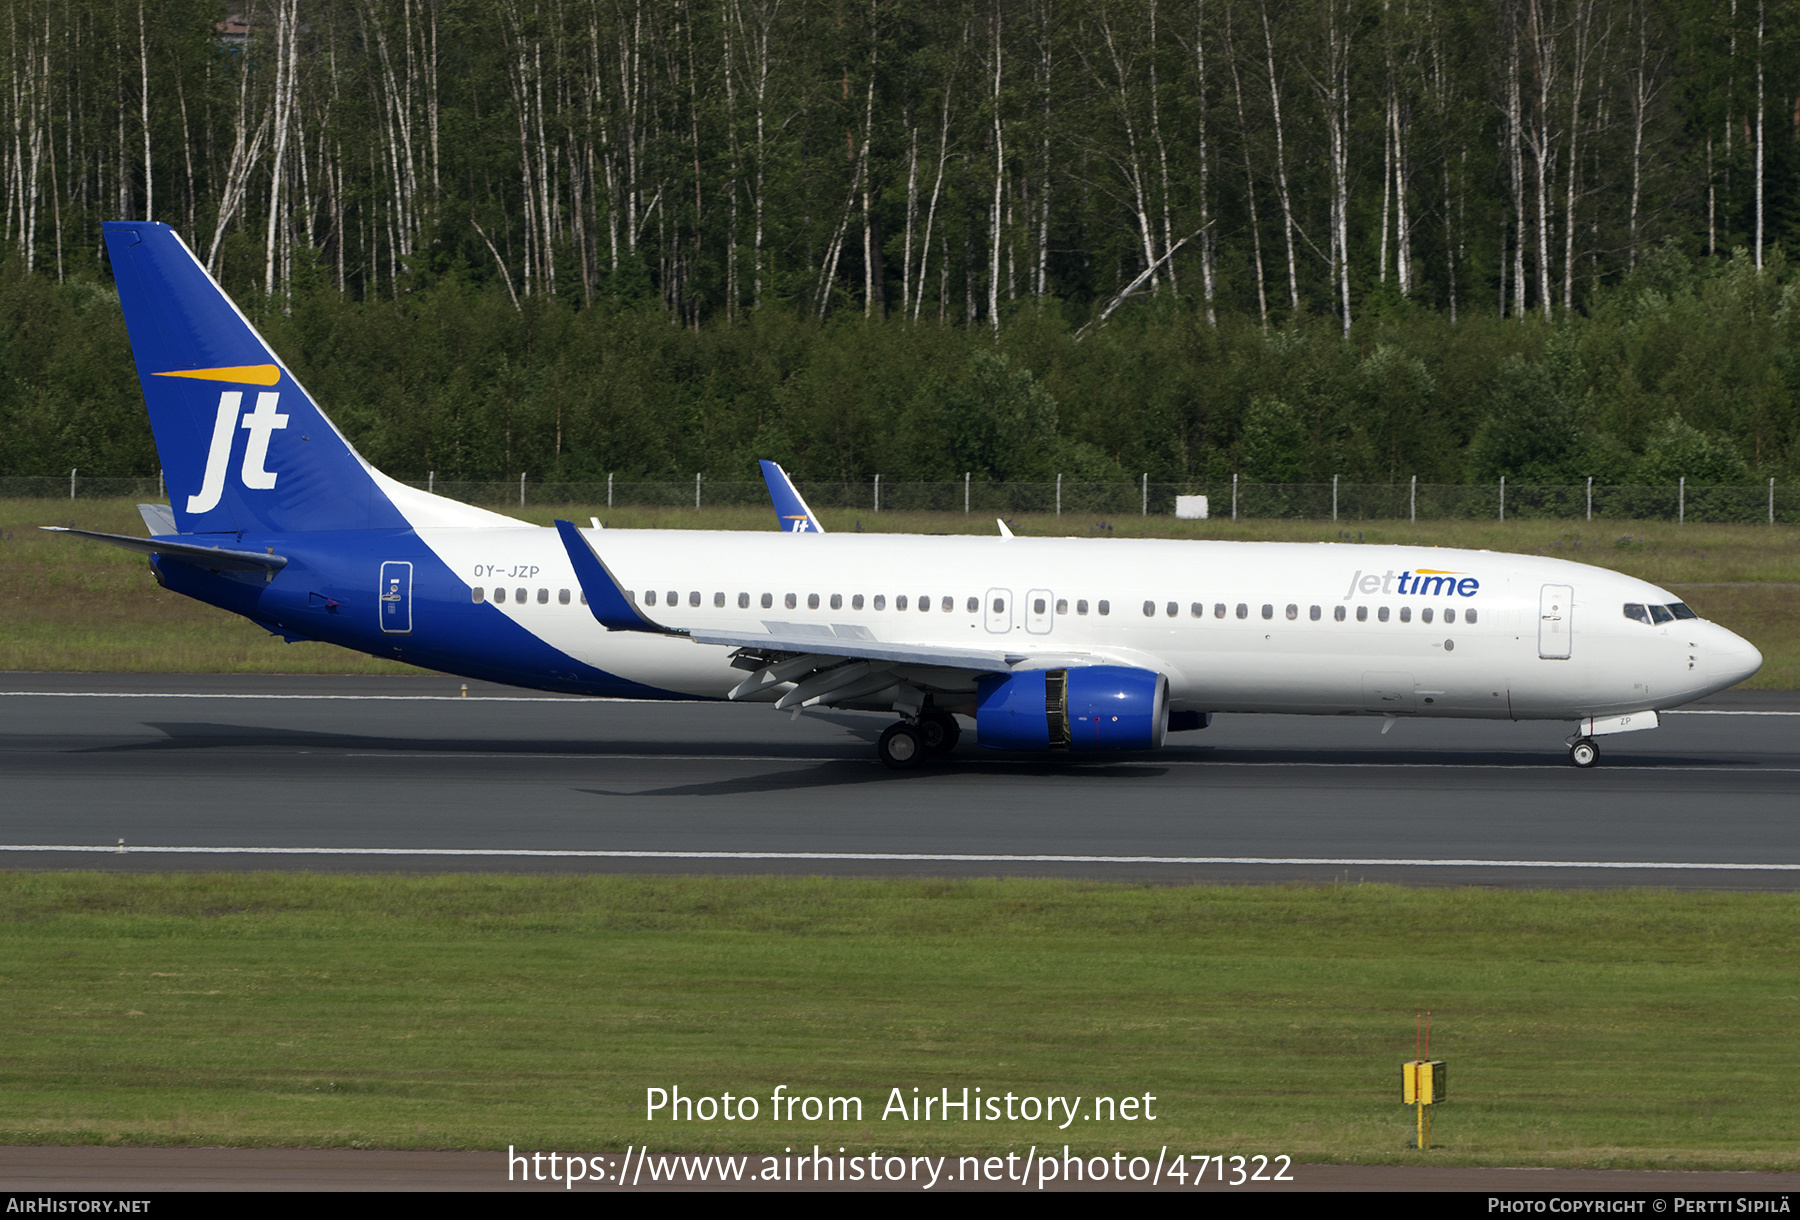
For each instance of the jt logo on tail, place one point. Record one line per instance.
(260, 423)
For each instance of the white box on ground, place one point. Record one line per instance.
(1190, 508)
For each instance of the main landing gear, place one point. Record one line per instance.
(1583, 752)
(907, 744)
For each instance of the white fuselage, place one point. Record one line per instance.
(1245, 627)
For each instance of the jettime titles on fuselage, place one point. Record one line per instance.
(1426, 582)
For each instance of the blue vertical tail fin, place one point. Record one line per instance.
(790, 509)
(243, 446)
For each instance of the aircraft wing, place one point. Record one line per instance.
(213, 558)
(790, 509)
(805, 664)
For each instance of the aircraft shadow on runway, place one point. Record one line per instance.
(836, 773)
(205, 735)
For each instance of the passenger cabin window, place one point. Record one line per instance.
(1149, 609)
(1038, 606)
(1268, 610)
(543, 597)
(768, 600)
(900, 602)
(1450, 615)
(718, 600)
(881, 601)
(499, 596)
(1362, 614)
(1062, 605)
(837, 601)
(924, 602)
(812, 601)
(1406, 614)
(1243, 611)
(856, 602)
(694, 597)
(1197, 610)
(1637, 613)
(949, 605)
(1425, 615)
(476, 595)
(743, 601)
(1081, 605)
(1313, 614)
(674, 598)
(1337, 614)
(1105, 607)
(1293, 612)
(790, 601)
(1382, 614)
(974, 606)
(1171, 609)
(1661, 614)
(1219, 610)
(1468, 616)
(519, 595)
(562, 597)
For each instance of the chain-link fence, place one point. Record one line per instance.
(1230, 499)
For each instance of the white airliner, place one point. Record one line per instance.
(1054, 644)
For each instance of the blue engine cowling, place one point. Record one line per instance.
(1095, 707)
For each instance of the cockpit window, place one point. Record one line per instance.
(1661, 614)
(1637, 613)
(1680, 610)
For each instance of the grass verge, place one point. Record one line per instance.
(1613, 1029)
(67, 605)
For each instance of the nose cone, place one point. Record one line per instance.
(1731, 659)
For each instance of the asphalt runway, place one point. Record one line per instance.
(392, 774)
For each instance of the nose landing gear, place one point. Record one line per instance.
(1583, 752)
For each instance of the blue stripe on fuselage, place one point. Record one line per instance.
(327, 593)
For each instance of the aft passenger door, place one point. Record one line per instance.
(999, 610)
(1555, 620)
(395, 597)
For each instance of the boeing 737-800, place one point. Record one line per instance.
(1055, 644)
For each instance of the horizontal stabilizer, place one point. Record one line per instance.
(612, 609)
(213, 558)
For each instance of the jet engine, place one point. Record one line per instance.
(1095, 707)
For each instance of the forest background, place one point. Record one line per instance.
(1286, 239)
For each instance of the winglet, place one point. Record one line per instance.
(612, 609)
(790, 509)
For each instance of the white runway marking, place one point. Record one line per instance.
(71, 694)
(896, 857)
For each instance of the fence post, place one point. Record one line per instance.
(1412, 504)
(1502, 497)
(71, 484)
(877, 493)
(431, 482)
(1681, 502)
(1334, 480)
(1234, 497)
(521, 489)
(1771, 498)
(609, 477)
(965, 493)
(1146, 509)
(163, 495)
(1771, 501)
(1590, 497)
(696, 489)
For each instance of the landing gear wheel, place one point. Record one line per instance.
(902, 747)
(1584, 753)
(940, 731)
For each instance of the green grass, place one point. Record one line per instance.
(1617, 1028)
(67, 605)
